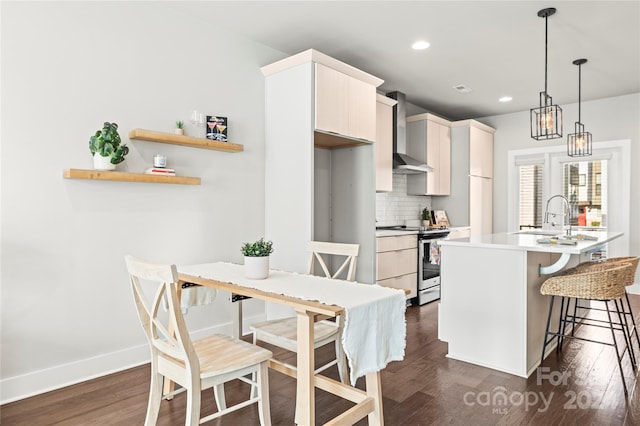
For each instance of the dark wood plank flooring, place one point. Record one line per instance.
(425, 389)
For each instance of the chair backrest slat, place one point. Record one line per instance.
(319, 248)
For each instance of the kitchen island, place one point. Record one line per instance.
(491, 311)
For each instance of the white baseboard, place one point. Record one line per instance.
(37, 382)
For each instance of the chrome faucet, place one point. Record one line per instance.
(568, 214)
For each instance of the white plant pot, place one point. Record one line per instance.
(102, 163)
(256, 268)
(179, 132)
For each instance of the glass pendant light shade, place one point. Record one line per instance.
(579, 143)
(546, 120)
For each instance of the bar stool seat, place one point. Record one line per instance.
(605, 283)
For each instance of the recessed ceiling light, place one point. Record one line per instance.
(420, 45)
(505, 99)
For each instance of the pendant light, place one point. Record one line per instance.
(579, 143)
(546, 120)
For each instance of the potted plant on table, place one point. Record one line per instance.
(256, 258)
(106, 147)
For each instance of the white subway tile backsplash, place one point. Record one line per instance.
(396, 207)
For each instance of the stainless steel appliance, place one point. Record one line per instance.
(429, 264)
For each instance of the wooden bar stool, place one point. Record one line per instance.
(605, 283)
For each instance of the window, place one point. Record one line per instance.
(583, 186)
(530, 196)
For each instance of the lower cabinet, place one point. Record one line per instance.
(397, 263)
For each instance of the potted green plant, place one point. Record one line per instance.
(179, 127)
(256, 258)
(106, 147)
(426, 218)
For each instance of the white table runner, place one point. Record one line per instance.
(374, 330)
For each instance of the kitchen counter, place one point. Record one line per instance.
(529, 242)
(396, 232)
(491, 311)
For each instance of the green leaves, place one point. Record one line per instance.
(106, 142)
(259, 248)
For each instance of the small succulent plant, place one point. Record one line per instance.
(259, 248)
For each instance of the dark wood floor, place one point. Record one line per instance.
(424, 389)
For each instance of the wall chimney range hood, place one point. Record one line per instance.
(403, 163)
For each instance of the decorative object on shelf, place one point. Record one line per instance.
(159, 160)
(546, 120)
(579, 143)
(197, 119)
(106, 147)
(217, 128)
(164, 171)
(179, 128)
(256, 258)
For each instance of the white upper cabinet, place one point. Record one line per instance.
(344, 105)
(384, 143)
(429, 140)
(480, 152)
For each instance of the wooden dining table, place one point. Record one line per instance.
(230, 278)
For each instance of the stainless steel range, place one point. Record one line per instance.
(429, 264)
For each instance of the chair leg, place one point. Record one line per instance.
(560, 328)
(625, 330)
(573, 320)
(264, 408)
(544, 346)
(563, 317)
(615, 345)
(218, 394)
(155, 396)
(193, 404)
(633, 319)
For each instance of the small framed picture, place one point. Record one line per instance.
(441, 218)
(217, 128)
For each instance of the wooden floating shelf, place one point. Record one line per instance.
(173, 139)
(128, 177)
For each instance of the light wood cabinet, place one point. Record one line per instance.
(471, 199)
(480, 205)
(480, 152)
(429, 140)
(344, 104)
(397, 263)
(384, 143)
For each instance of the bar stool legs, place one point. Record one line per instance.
(615, 345)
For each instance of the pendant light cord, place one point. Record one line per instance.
(579, 92)
(546, 18)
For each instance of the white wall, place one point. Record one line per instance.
(67, 310)
(607, 119)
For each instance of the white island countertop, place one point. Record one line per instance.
(529, 242)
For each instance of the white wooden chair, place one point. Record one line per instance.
(194, 365)
(283, 332)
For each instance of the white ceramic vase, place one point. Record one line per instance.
(256, 268)
(102, 163)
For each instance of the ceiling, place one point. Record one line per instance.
(496, 48)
